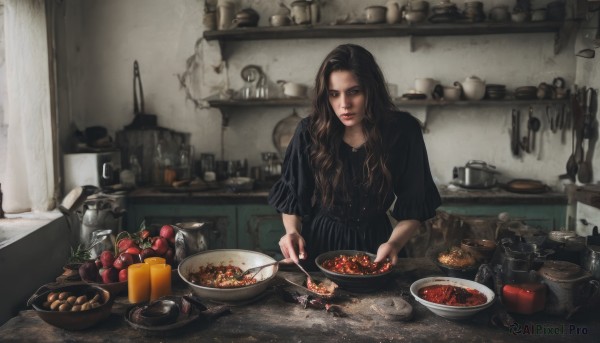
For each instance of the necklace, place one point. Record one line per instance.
(355, 149)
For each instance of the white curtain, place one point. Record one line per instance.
(29, 177)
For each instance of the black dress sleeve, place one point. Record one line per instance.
(292, 193)
(417, 196)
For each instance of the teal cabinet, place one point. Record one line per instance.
(548, 217)
(223, 232)
(260, 228)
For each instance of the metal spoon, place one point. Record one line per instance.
(534, 125)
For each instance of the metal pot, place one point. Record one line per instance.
(570, 288)
(476, 174)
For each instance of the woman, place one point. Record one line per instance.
(347, 163)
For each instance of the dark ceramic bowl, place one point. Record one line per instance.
(69, 320)
(457, 272)
(353, 282)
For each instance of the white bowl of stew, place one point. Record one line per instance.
(242, 259)
(452, 298)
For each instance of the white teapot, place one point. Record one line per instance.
(473, 88)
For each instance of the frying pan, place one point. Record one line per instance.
(141, 120)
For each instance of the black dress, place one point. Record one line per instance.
(357, 223)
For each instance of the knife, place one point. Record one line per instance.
(515, 133)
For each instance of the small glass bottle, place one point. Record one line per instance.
(136, 169)
(158, 165)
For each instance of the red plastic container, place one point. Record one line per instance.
(527, 298)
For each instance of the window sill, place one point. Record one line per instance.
(18, 226)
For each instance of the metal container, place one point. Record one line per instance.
(570, 288)
(591, 261)
(476, 174)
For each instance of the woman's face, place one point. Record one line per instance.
(347, 98)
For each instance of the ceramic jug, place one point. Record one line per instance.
(301, 12)
(393, 14)
(473, 88)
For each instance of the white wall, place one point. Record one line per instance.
(161, 35)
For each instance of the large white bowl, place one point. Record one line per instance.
(240, 258)
(452, 312)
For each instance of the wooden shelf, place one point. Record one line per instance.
(283, 102)
(381, 30)
(222, 103)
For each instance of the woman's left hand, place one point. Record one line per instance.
(387, 251)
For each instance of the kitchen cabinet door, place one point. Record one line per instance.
(260, 228)
(223, 233)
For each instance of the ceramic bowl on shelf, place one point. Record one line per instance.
(450, 311)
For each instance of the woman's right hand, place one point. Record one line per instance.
(292, 246)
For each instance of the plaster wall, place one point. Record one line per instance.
(162, 35)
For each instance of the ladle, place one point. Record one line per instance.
(534, 125)
(572, 166)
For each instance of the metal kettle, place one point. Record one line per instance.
(99, 213)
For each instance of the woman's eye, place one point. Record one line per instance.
(333, 94)
(353, 91)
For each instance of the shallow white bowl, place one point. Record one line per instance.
(452, 312)
(240, 258)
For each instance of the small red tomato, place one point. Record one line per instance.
(133, 250)
(167, 232)
(123, 275)
(144, 234)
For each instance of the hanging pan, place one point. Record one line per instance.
(141, 120)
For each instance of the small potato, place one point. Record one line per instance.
(94, 304)
(56, 304)
(81, 300)
(52, 296)
(64, 307)
(46, 304)
(71, 300)
(64, 295)
(85, 307)
(76, 308)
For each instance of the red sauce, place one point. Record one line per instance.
(452, 295)
(357, 264)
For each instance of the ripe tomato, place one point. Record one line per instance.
(133, 250)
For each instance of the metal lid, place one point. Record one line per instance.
(560, 270)
(561, 236)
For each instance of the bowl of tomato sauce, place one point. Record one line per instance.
(354, 270)
(452, 298)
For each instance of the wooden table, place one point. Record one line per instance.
(271, 319)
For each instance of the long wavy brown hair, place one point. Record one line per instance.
(327, 131)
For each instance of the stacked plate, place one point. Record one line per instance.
(526, 93)
(495, 92)
(474, 11)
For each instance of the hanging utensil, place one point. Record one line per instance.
(534, 125)
(514, 139)
(141, 120)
